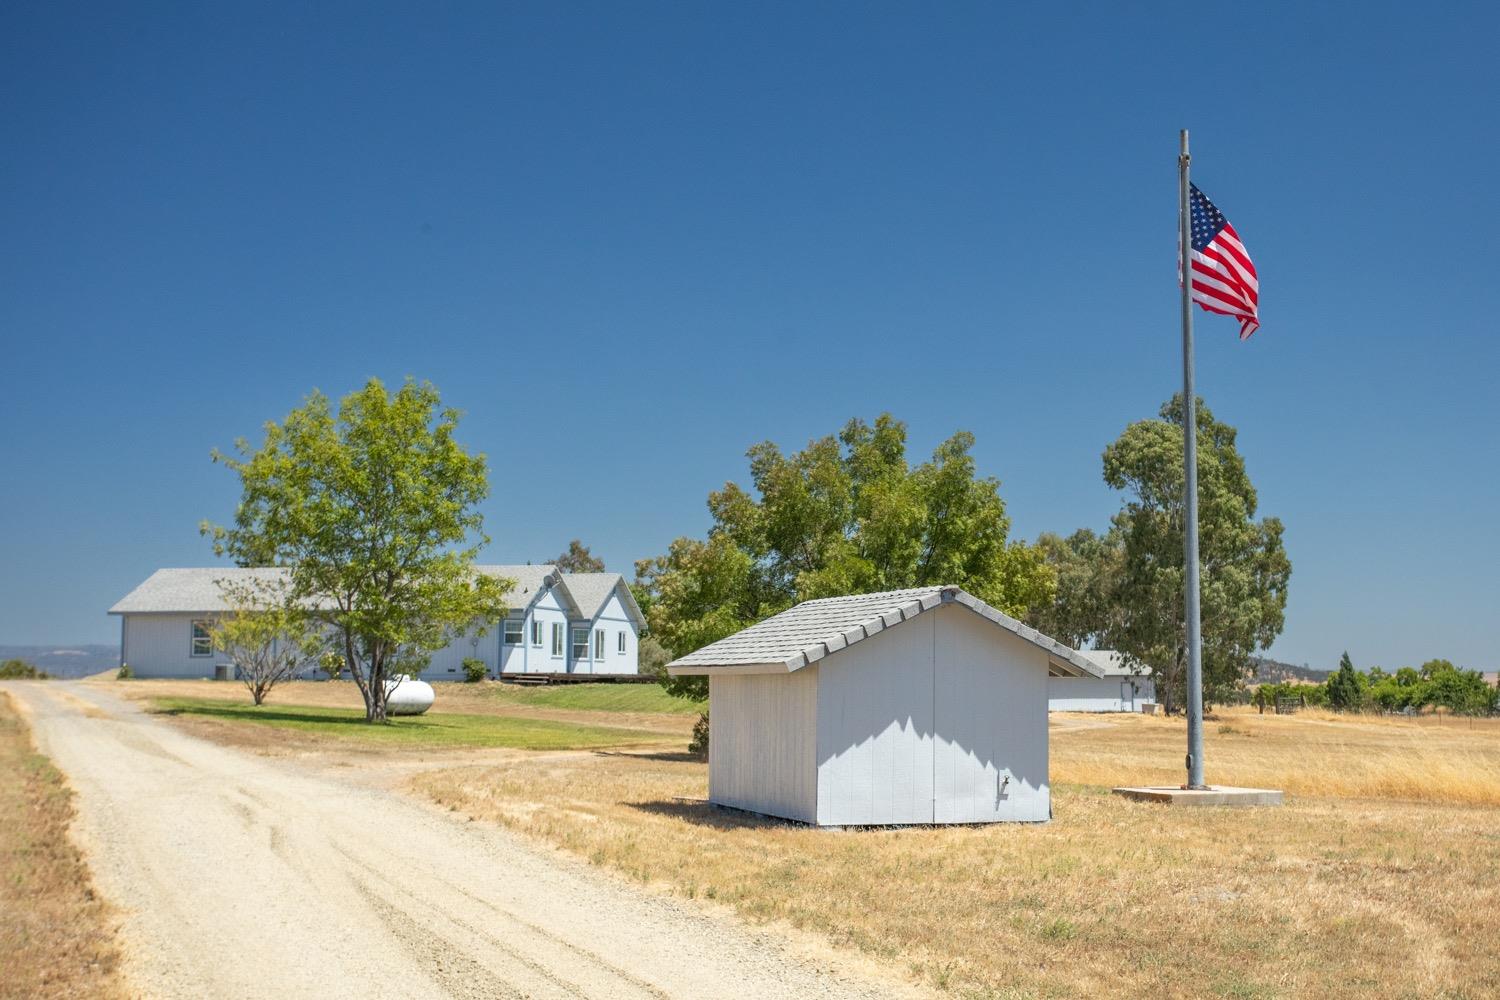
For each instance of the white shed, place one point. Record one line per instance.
(909, 706)
(1124, 687)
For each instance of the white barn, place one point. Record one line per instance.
(1121, 688)
(909, 706)
(558, 623)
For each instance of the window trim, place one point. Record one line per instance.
(620, 642)
(505, 639)
(598, 644)
(573, 646)
(194, 638)
(536, 633)
(557, 641)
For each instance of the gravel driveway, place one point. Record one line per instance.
(245, 876)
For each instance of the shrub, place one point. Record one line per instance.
(474, 670)
(20, 670)
(699, 744)
(125, 673)
(332, 664)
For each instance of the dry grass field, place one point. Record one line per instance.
(56, 937)
(1381, 876)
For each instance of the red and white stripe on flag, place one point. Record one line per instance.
(1224, 278)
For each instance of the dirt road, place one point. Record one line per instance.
(246, 876)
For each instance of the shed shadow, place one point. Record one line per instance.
(665, 756)
(701, 812)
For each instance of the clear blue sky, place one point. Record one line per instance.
(629, 240)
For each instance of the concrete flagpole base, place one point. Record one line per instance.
(1218, 795)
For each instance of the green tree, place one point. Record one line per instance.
(1244, 568)
(1345, 687)
(269, 635)
(20, 670)
(578, 559)
(373, 512)
(846, 515)
(1463, 692)
(1088, 568)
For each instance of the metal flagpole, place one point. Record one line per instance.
(1190, 493)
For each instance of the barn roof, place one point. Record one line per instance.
(804, 634)
(197, 588)
(1114, 664)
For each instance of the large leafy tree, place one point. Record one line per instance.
(373, 512)
(1244, 567)
(848, 514)
(1089, 568)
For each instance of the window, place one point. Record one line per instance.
(536, 634)
(203, 640)
(512, 632)
(557, 638)
(620, 644)
(580, 643)
(599, 644)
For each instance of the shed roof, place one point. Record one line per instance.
(804, 634)
(197, 588)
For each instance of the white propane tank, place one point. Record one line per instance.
(407, 696)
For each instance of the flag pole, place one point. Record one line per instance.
(1190, 492)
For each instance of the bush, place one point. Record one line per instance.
(12, 670)
(474, 670)
(699, 745)
(125, 673)
(332, 664)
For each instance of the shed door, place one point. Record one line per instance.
(1127, 696)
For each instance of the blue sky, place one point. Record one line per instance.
(631, 240)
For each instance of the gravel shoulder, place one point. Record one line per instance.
(252, 876)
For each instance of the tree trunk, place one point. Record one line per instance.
(375, 700)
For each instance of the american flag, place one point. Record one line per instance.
(1223, 277)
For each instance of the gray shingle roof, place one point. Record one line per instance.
(197, 588)
(591, 591)
(1112, 663)
(804, 634)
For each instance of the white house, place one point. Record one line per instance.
(910, 706)
(1122, 688)
(558, 623)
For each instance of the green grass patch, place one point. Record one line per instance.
(433, 729)
(598, 698)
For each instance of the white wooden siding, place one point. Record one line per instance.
(160, 645)
(447, 664)
(1098, 694)
(990, 705)
(539, 660)
(512, 659)
(761, 756)
(875, 728)
(613, 620)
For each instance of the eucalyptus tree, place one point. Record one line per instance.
(1244, 566)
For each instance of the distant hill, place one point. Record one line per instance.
(66, 661)
(1268, 671)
